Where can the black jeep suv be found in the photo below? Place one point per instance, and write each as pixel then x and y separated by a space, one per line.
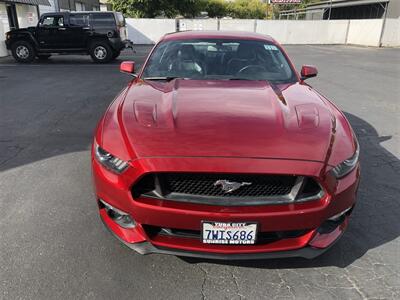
pixel 100 34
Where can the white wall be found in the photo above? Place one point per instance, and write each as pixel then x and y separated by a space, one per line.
pixel 27 15
pixel 233 25
pixel 365 32
pixel 198 24
pixel 305 32
pixel 148 31
pixel 3 49
pixel 357 32
pixel 4 27
pixel 391 34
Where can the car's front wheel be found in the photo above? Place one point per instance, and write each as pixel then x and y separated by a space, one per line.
pixel 100 52
pixel 23 51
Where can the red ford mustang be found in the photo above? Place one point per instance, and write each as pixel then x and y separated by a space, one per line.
pixel 219 149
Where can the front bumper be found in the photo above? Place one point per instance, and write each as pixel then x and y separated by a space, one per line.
pixel 8 44
pixel 307 252
pixel 116 190
pixel 119 44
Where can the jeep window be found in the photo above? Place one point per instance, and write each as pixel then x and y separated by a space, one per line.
pixel 52 21
pixel 219 60
pixel 102 20
pixel 79 20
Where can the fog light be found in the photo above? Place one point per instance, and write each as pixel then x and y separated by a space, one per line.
pixel 121 218
pixel 329 232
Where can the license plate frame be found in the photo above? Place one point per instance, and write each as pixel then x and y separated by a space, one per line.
pixel 229 226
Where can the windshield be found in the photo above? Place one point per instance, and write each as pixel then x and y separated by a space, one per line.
pixel 219 60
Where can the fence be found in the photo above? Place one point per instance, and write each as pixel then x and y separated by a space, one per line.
pixel 368 32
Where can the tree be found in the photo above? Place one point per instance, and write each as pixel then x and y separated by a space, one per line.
pixel 155 8
pixel 244 9
pixel 216 8
pixel 247 9
pixel 137 8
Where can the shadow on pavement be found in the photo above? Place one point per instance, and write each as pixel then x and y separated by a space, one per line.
pixel 374 221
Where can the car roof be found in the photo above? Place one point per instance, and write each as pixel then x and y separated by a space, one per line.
pixel 214 34
pixel 93 12
pixel 77 12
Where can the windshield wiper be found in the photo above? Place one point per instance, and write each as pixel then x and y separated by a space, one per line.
pixel 166 78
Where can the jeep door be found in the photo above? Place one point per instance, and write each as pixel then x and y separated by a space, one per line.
pixel 79 30
pixel 52 32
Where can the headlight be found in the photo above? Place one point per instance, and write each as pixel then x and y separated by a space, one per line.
pixel 348 165
pixel 110 161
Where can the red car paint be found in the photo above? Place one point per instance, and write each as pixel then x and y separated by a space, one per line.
pixel 210 126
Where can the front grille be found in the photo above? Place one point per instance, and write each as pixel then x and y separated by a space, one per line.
pixel 262 237
pixel 204 185
pixel 225 189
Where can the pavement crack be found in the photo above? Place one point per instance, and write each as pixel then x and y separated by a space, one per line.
pixel 235 281
pixel 203 284
pixel 354 285
pixel 285 284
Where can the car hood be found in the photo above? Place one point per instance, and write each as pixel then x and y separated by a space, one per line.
pixel 22 30
pixel 252 119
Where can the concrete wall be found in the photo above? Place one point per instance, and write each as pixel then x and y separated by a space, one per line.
pixel 3 50
pixel 240 25
pixel 198 24
pixel 3 29
pixel 365 32
pixel 305 32
pixel 4 18
pixel 149 31
pixel 27 15
pixel 357 32
pixel 391 33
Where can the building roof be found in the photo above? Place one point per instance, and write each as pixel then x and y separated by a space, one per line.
pixel 200 34
pixel 32 2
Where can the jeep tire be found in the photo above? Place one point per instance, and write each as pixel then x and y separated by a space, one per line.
pixel 100 52
pixel 23 51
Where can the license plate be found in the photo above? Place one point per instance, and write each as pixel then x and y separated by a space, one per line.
pixel 229 233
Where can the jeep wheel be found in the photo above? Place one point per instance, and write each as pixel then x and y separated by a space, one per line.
pixel 23 51
pixel 101 52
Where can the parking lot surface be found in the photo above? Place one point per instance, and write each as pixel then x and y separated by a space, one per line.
pixel 52 242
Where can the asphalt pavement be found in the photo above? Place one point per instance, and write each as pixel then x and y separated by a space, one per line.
pixel 54 246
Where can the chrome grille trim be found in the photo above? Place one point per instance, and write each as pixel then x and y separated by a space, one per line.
pixel 295 195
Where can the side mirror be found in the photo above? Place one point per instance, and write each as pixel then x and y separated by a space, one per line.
pixel 127 67
pixel 308 72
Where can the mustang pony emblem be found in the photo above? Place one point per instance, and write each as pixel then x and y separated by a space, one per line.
pixel 230 186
